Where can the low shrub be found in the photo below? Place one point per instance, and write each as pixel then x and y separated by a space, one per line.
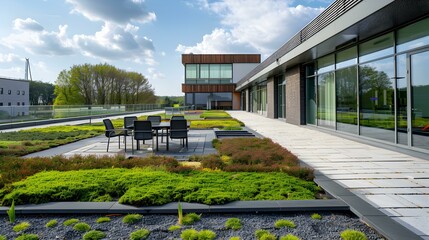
pixel 103 220
pixel 51 223
pixel 284 223
pixel 70 222
pixel 212 161
pixel 28 237
pixel 234 238
pixel 132 218
pixel 190 218
pixel 2 237
pixel 189 234
pixel 174 228
pixel 350 234
pixel 316 216
pixel 94 235
pixel 290 237
pixel 233 223
pixel 21 226
pixel 82 227
pixel 139 234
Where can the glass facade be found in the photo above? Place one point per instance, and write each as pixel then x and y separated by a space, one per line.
pixel 280 84
pixel 258 99
pixel 208 73
pixel 378 88
pixel 218 100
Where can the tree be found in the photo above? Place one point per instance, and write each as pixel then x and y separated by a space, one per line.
pixel 102 84
pixel 41 93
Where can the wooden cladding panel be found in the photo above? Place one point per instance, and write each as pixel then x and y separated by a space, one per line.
pixel 203 88
pixel 221 58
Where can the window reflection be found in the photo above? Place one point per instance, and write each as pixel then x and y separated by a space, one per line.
pixel 326 100
pixel 346 89
pixel 376 96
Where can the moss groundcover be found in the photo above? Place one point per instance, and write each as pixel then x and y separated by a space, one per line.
pixel 147 186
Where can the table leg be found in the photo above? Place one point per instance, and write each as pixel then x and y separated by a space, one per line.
pixel 156 139
pixel 167 138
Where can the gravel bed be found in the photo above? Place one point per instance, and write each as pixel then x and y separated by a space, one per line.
pixel 329 227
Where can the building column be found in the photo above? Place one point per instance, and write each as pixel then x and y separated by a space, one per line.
pixel 270 97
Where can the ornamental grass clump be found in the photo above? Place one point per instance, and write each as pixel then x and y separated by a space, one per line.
pixel 28 237
pixel 290 237
pixel 71 222
pixel 132 218
pixel 233 223
pixel 82 227
pixel 264 235
pixel 94 235
pixel 173 228
pixel 21 226
pixel 350 234
pixel 316 216
pixel 234 238
pixel 140 234
pixel 190 218
pixel 189 234
pixel 103 220
pixel 284 223
pixel 51 223
pixel 206 235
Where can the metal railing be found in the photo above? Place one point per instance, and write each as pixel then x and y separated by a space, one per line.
pixel 15 114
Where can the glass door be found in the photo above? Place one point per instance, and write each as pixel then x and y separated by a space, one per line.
pixel 418 66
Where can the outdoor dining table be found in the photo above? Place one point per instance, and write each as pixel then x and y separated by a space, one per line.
pixel 159 126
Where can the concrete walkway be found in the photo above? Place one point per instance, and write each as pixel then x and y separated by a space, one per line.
pixel 391 181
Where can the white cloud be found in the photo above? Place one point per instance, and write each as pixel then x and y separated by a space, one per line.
pixel 27 24
pixel 9 58
pixel 120 12
pixel 114 42
pixel 154 75
pixel 258 25
pixel 38 41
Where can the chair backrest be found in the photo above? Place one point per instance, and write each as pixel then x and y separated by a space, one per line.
pixel 155 119
pixel 177 117
pixel 109 127
pixel 129 121
pixel 143 130
pixel 178 128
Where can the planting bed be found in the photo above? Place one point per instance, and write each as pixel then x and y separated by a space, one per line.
pixel 329 227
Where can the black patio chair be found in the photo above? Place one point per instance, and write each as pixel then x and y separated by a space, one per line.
pixel 111 131
pixel 129 122
pixel 179 130
pixel 156 119
pixel 177 117
pixel 142 131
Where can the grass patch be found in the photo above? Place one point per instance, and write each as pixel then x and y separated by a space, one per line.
pixel 284 223
pixel 82 227
pixel 173 228
pixel 290 237
pixel 148 186
pixel 28 237
pixel 233 223
pixel 350 234
pixel 103 220
pixel 21 226
pixel 190 218
pixel 51 223
pixel 70 222
pixel 215 114
pixel 316 216
pixel 132 218
pixel 215 123
pixel 94 235
pixel 140 234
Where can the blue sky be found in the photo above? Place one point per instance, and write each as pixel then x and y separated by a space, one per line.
pixel 146 36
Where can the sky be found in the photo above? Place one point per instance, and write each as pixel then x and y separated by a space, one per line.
pixel 145 36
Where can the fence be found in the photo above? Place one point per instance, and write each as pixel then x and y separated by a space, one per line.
pixel 14 114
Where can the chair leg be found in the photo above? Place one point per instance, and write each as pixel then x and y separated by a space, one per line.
pixel 119 142
pixel 132 145
pixel 186 142
pixel 108 142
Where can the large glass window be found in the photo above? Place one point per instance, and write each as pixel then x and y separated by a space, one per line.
pixel 226 71
pixel 281 96
pixel 420 99
pixel 376 96
pixel 326 64
pixel 346 58
pixel 326 100
pixel 311 100
pixel 191 71
pixel 346 104
pixel 214 71
pixel 204 71
pixel 376 48
pixel 413 36
pixel 401 98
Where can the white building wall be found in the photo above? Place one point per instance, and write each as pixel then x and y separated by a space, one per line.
pixel 14 96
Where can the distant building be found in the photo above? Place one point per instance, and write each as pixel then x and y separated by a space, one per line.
pixel 210 79
pixel 14 97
